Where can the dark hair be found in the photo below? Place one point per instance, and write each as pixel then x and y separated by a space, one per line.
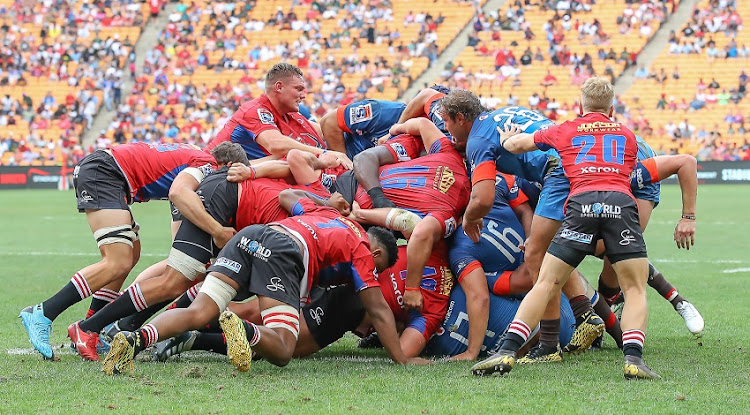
pixel 387 240
pixel 228 152
pixel 280 71
pixel 441 88
pixel 461 101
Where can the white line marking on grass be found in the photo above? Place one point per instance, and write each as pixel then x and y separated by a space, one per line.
pixel 95 254
pixel 32 351
pixel 354 359
pixel 735 270
pixel 700 261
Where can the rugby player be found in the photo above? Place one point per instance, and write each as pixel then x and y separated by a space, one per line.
pixel 279 263
pixel 271 124
pixel 106 183
pixel 598 156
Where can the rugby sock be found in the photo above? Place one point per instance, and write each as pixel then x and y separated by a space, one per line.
pixel 131 301
pixel 549 335
pixel 610 294
pixel 212 327
pixel 252 333
pixel 185 299
pixel 517 334
pixel 212 342
pixel 657 281
pixel 101 298
pixel 74 291
pixel 632 343
pixel 611 323
pixel 149 335
pixel 580 305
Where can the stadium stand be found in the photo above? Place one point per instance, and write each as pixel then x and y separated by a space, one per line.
pixel 693 97
pixel 59 62
pixel 212 56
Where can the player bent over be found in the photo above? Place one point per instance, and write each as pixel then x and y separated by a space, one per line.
pixel 278 262
pixel 107 182
pixel 598 156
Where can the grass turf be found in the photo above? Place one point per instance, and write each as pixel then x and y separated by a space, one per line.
pixel 45 241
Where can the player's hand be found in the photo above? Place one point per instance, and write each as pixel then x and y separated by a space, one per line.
pixel 383 139
pixel 465 356
pixel 509 131
pixel 338 202
pixel 339 159
pixel 395 130
pixel 473 228
pixel 239 172
pixel 418 361
pixel 413 299
pixel 524 245
pixel 684 233
pixel 222 237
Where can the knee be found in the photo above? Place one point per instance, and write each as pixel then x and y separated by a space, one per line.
pixel 120 266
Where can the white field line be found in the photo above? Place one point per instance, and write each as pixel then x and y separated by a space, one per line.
pixel 735 270
pixel 94 254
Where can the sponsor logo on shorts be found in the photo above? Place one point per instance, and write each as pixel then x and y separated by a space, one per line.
pixel 265 116
pixel 228 264
pixel 627 238
pixel 317 314
pixel 585 238
pixel 400 152
pixel 86 197
pixel 255 248
pixel 450 226
pixel 601 210
pixel 360 113
pixel 275 285
pixel 594 169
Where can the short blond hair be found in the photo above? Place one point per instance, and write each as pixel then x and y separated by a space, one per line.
pixel 597 95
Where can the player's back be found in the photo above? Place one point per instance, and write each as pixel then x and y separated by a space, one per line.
pixel 484 145
pixel 452 338
pixel 259 201
pixel 151 168
pixel 439 177
pixel 597 153
pixel 502 234
pixel 364 122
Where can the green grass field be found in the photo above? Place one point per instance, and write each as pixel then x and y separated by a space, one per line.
pixel 44 241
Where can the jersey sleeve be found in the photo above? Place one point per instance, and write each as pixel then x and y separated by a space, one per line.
pixel 481 153
pixel 363 269
pixel 404 147
pixel 341 119
pixel 258 120
pixel 306 206
pixel 448 222
pixel 515 196
pixel 546 139
pixel 428 105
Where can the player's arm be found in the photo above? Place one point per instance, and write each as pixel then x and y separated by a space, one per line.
pixel 279 145
pixel 318 129
pixel 367 171
pixel 525 214
pixel 516 142
pixel 396 219
pixel 419 127
pixel 415 107
pixel 383 322
pixel 418 251
pixel 306 167
pixel 480 204
pixel 182 194
pixel 686 168
pixel 332 132
pixel 291 201
pixel 271 169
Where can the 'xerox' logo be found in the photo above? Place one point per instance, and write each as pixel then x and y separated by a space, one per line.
pixel 576 236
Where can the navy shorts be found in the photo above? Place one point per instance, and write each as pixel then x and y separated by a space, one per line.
pixel 100 184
